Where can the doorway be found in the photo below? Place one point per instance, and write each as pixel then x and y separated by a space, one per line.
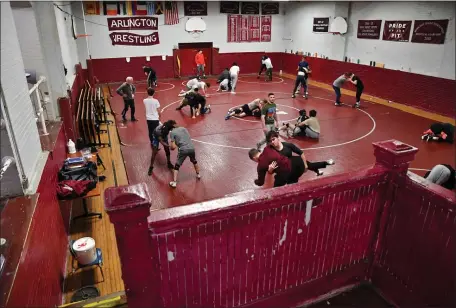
pixel 187 52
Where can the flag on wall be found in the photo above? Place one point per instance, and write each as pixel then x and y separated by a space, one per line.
pixel 171 13
pixel 150 8
pixel 92 8
pixel 158 8
pixel 129 7
pixel 111 8
pixel 178 64
pixel 140 8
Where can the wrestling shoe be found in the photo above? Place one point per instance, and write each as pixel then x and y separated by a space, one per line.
pixel 293 96
pixel 337 104
pixel 319 172
pixel 305 96
pixel 150 171
pixel 424 137
pixel 356 105
pixel 173 184
pixel 227 117
pixel 198 176
pixel 330 161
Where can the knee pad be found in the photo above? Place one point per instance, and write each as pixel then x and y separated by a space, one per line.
pixel 176 167
pixel 194 161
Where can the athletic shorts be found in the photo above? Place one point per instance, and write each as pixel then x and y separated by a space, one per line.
pixel 246 110
pixel 183 154
pixel 151 126
pixel 156 142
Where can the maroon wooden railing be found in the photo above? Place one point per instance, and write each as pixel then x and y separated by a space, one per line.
pixel 276 247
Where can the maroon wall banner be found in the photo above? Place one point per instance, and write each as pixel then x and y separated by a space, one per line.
pixel 250 8
pixel 195 8
pixel 229 7
pixel 397 30
pixel 369 29
pixel 430 31
pixel 254 28
pixel 266 28
pixel 132 23
pixel 269 8
pixel 321 24
pixel 244 29
pixel 133 39
pixel 233 28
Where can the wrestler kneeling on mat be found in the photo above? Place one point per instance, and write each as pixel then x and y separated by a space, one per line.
pixel 287 149
pixel 308 127
pixel 251 109
pixel 195 83
pixel 440 132
pixel 197 103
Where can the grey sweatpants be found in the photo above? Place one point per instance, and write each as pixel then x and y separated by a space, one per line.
pixel 269 127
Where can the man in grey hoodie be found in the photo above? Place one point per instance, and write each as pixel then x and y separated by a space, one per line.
pixel 127 90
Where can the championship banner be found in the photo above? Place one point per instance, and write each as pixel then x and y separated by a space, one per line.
pixel 397 30
pixel 269 8
pixel 244 28
pixel 266 28
pixel 254 28
pixel 229 7
pixel 369 29
pixel 320 24
pixel 430 31
pixel 133 39
pixel 233 28
pixel 250 8
pixel 132 23
pixel 195 8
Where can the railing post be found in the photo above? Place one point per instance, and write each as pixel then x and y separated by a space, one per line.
pixel 396 157
pixel 128 208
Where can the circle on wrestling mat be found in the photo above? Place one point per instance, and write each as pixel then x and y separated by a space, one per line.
pixel 253 79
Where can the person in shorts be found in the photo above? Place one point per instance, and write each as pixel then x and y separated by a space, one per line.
pixel 181 140
pixel 251 109
pixel 160 136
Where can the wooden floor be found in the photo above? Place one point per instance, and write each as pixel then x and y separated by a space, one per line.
pixel 100 229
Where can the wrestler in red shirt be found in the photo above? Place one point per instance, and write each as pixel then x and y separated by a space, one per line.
pixel 264 159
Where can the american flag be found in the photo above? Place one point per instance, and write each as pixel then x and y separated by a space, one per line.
pixel 171 13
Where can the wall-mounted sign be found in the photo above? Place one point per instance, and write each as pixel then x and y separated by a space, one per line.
pixel 369 29
pixel 229 7
pixel 397 30
pixel 321 24
pixel 269 8
pixel 250 8
pixel 133 39
pixel 195 8
pixel 132 23
pixel 430 31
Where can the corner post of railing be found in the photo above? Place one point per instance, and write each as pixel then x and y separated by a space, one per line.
pixel 395 156
pixel 128 208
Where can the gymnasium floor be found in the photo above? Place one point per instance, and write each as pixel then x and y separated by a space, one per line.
pixel 222 146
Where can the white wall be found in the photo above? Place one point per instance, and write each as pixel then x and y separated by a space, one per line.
pixel 27 33
pixel 15 91
pixel 100 43
pixel 428 59
pixel 299 23
pixel 67 42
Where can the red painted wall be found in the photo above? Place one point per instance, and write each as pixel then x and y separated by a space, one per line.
pixel 117 69
pixel 434 94
pixel 40 274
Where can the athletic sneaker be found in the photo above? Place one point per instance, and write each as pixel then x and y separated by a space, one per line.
pixel 198 176
pixel 330 161
pixel 227 117
pixel 338 104
pixel 356 105
pixel 293 96
pixel 173 184
pixel 319 172
pixel 424 137
pixel 150 171
pixel 305 96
